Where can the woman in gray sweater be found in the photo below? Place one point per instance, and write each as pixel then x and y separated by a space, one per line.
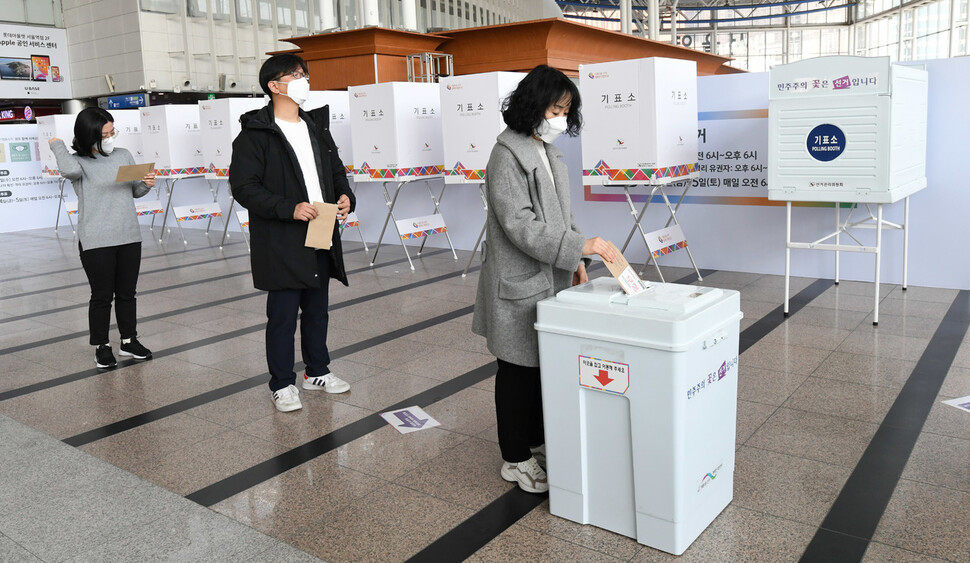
pixel 534 250
pixel 109 239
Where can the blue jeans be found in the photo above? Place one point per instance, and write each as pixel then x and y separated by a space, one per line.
pixel 282 308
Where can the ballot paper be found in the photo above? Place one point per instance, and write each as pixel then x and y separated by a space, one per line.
pixel 624 273
pixel 319 233
pixel 134 172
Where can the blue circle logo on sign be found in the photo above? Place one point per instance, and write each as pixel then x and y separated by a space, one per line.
pixel 826 142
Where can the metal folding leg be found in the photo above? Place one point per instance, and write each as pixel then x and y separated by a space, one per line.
pixel 353 188
pixel 391 202
pixel 437 212
pixel 478 241
pixel 60 204
pixel 225 227
pixel 215 199
pixel 638 218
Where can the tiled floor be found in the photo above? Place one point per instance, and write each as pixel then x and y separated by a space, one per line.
pixel 184 457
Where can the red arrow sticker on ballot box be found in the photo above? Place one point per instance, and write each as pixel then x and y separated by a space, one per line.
pixel 604 375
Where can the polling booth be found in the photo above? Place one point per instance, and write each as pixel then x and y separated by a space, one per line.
pixel 640 129
pixel 847 130
pixel 219 124
pixel 128 126
pixel 172 139
pixel 397 142
pixel 60 127
pixel 339 103
pixel 639 396
pixel 471 119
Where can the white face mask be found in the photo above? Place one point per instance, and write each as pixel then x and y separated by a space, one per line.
pixel 107 145
pixel 550 129
pixel 298 90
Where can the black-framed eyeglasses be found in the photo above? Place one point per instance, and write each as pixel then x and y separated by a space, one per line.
pixel 298 74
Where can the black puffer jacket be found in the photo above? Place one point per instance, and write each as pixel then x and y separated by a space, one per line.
pixel 266 179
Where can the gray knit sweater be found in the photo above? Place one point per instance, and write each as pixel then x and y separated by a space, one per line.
pixel 106 209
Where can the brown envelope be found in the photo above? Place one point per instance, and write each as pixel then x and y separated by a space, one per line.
pixel 623 273
pixel 134 172
pixel 319 233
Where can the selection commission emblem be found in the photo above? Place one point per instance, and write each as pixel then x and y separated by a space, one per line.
pixel 825 142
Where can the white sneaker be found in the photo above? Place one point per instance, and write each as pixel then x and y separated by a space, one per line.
pixel 330 383
pixel 287 399
pixel 539 452
pixel 530 477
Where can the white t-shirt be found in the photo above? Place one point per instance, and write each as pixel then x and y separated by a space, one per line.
pixel 298 136
pixel 541 147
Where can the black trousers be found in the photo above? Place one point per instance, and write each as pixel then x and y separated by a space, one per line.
pixel 518 410
pixel 282 308
pixel 112 274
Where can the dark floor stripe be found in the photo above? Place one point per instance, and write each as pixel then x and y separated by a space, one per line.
pixel 173 312
pixel 481 528
pixel 70 378
pixel 78 268
pixel 485 525
pixel 776 317
pixel 143 273
pixel 249 383
pixel 270 468
pixel 856 512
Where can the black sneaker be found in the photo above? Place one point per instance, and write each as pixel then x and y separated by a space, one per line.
pixel 134 349
pixel 104 357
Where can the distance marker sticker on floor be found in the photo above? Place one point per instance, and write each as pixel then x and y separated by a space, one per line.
pixel 410 419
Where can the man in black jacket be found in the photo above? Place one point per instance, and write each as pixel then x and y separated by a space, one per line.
pixel 283 160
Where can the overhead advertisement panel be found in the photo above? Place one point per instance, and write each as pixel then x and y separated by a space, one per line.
pixel 34 63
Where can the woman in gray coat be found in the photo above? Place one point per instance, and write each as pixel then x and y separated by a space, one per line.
pixel 534 250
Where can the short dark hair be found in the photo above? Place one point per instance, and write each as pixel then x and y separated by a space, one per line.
pixel 87 131
pixel 277 66
pixel 525 108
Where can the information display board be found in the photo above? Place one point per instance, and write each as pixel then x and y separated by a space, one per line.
pixel 471 118
pixel 397 131
pixel 640 120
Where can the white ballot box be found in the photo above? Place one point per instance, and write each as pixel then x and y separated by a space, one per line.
pixel 219 121
pixel 397 131
pixel 128 125
pixel 339 102
pixel 640 120
pixel 846 129
pixel 642 441
pixel 48 127
pixel 172 139
pixel 471 119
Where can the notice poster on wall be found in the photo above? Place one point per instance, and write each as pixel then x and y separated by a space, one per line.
pixel 33 62
pixel 28 200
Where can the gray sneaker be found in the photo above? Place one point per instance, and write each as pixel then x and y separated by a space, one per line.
pixel 530 477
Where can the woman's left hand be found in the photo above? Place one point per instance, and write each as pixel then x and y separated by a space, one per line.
pixel 149 179
pixel 579 276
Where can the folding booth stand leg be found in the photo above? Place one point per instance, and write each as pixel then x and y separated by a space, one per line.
pixel 906 243
pixel 170 188
pixel 390 216
pixel 225 228
pixel 673 218
pixel 437 211
pixel 60 203
pixel 353 189
pixel 875 309
pixel 838 233
pixel 787 254
pixel 151 226
pixel 215 199
pixel 637 217
pixel 478 241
